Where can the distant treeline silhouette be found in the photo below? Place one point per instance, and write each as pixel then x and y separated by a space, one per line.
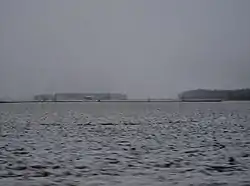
pixel 238 94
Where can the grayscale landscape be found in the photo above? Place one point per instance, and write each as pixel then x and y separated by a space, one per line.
pixel 124 92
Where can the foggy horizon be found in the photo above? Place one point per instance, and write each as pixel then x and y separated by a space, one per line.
pixel 141 48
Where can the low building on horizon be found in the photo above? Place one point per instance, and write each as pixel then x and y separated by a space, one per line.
pixel 44 97
pixel 80 96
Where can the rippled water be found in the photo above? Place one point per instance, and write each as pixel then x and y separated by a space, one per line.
pixel 125 144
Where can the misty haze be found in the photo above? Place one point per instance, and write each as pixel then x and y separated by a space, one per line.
pixel 142 48
pixel 124 92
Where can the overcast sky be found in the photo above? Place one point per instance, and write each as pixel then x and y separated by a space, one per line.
pixel 144 48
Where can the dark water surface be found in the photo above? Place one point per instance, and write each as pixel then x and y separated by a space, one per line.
pixel 125 144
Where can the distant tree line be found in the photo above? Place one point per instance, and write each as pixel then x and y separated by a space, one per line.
pixel 238 94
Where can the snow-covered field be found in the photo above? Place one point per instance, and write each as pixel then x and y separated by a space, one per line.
pixel 125 144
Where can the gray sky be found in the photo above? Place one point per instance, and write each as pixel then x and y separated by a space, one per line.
pixel 143 48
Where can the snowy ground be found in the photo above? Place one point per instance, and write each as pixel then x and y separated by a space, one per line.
pixel 125 144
